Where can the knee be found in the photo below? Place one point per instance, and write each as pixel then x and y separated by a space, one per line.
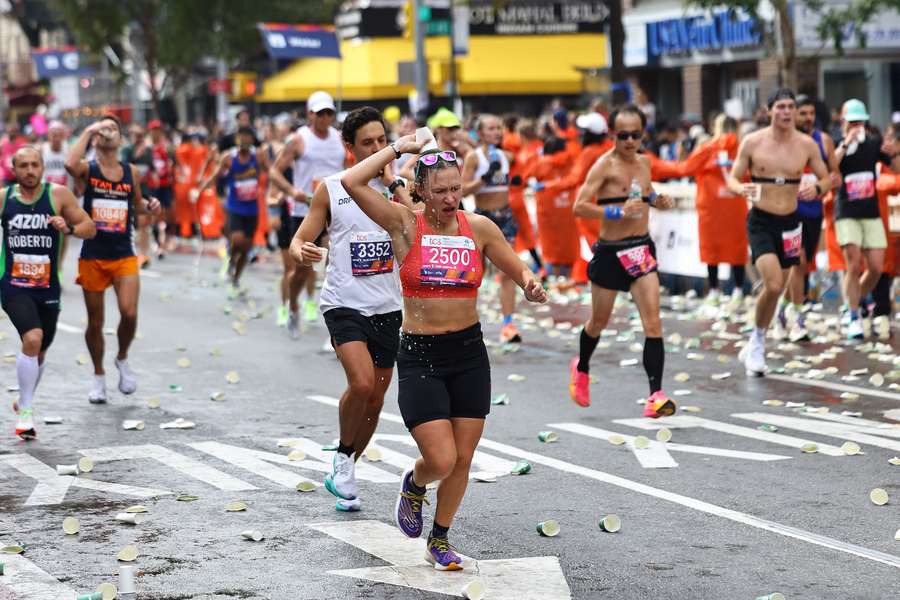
pixel 374 404
pixel 653 327
pixel 129 314
pixel 362 386
pixel 443 466
pixel 31 342
pixel 463 461
pixel 595 325
pixel 774 284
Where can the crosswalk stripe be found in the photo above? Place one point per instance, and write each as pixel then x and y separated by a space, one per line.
pixel 655 456
pixel 837 430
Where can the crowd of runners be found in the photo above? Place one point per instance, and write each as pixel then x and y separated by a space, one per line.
pixel 376 206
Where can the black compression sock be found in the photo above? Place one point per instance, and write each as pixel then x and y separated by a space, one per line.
pixel 536 258
pixel 439 531
pixel 345 450
pixel 414 488
pixel 654 360
pixel 738 273
pixel 712 275
pixel 586 346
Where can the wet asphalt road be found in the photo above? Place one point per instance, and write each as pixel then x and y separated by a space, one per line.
pixel 717 524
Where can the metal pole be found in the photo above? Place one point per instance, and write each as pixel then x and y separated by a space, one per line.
pixel 221 98
pixel 454 85
pixel 421 72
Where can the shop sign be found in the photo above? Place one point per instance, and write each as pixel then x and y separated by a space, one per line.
pixel 723 30
pixel 51 63
pixel 536 18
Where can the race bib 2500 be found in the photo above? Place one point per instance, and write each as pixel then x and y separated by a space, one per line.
pixel 448 260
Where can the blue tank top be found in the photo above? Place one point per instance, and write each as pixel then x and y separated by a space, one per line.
pixel 242 181
pixel 812 209
pixel 111 205
pixel 30 255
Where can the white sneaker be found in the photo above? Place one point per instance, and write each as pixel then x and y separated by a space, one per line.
pixel 353 505
pixel 882 327
pixel 712 297
pixel 342 480
pixel 855 330
pixel 737 295
pixel 127 379
pixel 798 333
pixel 753 355
pixel 25 424
pixel 293 325
pixel 97 394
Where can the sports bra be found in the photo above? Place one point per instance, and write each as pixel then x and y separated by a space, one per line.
pixel 775 180
pixel 618 199
pixel 442 266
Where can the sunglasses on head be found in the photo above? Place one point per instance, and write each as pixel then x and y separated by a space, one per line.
pixel 624 135
pixel 429 160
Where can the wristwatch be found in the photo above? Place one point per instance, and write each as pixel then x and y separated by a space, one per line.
pixel 818 189
pixel 70 230
pixel 394 148
pixel 395 184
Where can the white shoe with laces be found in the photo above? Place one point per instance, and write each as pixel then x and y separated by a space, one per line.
pixel 97 394
pixel 127 379
pixel 753 355
pixel 855 330
pixel 342 480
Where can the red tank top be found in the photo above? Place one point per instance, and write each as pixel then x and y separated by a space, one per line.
pixel 442 266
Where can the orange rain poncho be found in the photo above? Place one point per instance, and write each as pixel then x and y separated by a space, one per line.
pixel 525 159
pixel 888 184
pixel 557 233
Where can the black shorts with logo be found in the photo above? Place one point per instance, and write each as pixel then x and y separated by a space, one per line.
pixel 781 235
pixel 27 313
pixel 380 333
pixel 618 264
pixel 504 219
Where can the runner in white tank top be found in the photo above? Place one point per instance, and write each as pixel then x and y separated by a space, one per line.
pixel 313 152
pixel 54 151
pixel 360 297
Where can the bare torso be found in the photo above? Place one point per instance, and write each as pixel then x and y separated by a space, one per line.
pixel 618 174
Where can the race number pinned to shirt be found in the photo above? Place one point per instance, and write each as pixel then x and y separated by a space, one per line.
pixel 247 190
pixel 371 253
pixel 637 261
pixel 448 260
pixel 792 241
pixel 860 186
pixel 110 215
pixel 30 271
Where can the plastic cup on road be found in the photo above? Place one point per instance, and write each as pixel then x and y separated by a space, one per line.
pixel 130 518
pixel 548 436
pixel 850 448
pixel 319 267
pixel 93 596
pixel 126 579
pixel 522 467
pixel 85 464
pixel 474 590
pixel 253 535
pixel 306 486
pixel 641 442
pixel 71 525
pixel 809 448
pixel 296 455
pixel 611 523
pixel 67 469
pixel 127 554
pixel 774 596
pixel 664 434
pixel 548 528
pixel 616 439
pixel 878 496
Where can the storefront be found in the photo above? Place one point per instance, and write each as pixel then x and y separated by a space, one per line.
pixel 871 74
pixel 525 50
pixel 691 62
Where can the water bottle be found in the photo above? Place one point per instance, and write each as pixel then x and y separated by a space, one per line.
pixel 634 193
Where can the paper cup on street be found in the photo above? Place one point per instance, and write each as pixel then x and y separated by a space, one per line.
pixel 85 464
pixel 878 496
pixel 217 396
pixel 809 448
pixel 484 477
pixel 850 448
pixel 236 507
pixel 107 591
pixel 682 377
pixel 547 436
pixel 616 439
pixel 130 518
pixel 306 486
pixel 126 579
pixel 610 523
pixel 474 590
pixel 548 528
pixel 295 455
pixel 53 420
pixel 67 469
pixel 774 596
pixel 895 460
pixel 71 525
pixel 127 554
pixel 319 266
pixel 94 596
pixel 372 454
pixel 137 508
pixel 133 425
pixel 641 442
pixel 664 434
pixel 773 402
pixel 232 377
pixel 184 363
pixel 153 402
pixel 253 535
pixel 522 467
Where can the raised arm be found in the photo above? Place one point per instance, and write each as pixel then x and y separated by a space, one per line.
pixel 584 206
pixel 72 219
pixel 75 163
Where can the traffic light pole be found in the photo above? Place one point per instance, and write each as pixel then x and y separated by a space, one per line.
pixel 421 70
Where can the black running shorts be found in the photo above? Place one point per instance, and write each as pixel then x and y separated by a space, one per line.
pixel 26 314
pixel 812 231
pixel 504 219
pixel 618 264
pixel 243 223
pixel 380 333
pixel 781 235
pixel 443 376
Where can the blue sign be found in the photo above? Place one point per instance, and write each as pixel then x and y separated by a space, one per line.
pixel 290 42
pixel 720 31
pixel 59 63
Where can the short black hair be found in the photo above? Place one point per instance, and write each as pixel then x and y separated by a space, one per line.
pixel 781 94
pixel 804 100
pixel 627 109
pixel 244 130
pixel 114 118
pixel 355 121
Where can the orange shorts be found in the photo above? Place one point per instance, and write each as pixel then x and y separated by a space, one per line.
pixel 96 274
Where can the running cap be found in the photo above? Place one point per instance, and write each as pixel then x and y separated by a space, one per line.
pixel 444 118
pixel 56 124
pixel 780 94
pixel 154 124
pixel 320 101
pixel 854 110
pixel 593 122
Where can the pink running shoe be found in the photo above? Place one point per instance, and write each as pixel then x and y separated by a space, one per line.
pixel 658 405
pixel 579 385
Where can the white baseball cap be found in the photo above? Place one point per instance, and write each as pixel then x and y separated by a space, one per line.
pixel 593 122
pixel 320 101
pixel 895 117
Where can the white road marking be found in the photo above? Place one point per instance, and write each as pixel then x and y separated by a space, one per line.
pixel 69 328
pixel 840 387
pixel 52 488
pixel 29 582
pixel 655 456
pixel 534 578
pixel 259 463
pixel 682 421
pixel 670 446
pixel 686 501
pixel 179 462
pixel 858 424
pixel 838 430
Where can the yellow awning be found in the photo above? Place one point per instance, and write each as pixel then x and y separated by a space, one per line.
pixel 495 65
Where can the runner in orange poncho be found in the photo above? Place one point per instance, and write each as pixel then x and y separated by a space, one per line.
pixel 887 184
pixel 524 158
pixel 554 197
